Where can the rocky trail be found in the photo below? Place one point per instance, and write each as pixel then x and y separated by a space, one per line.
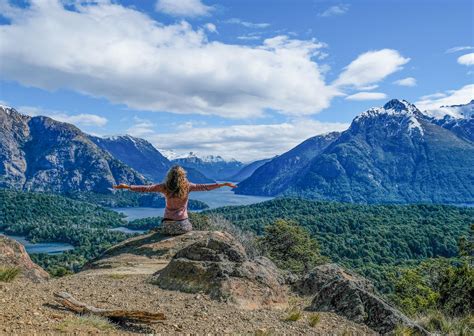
pixel 204 284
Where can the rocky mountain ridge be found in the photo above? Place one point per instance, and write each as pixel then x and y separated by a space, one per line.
pixel 41 154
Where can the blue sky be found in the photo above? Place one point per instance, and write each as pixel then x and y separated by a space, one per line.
pixel 243 79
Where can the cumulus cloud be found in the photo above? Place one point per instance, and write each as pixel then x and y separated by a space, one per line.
pixel 247 24
pixel 409 81
pixel 367 96
pixel 436 103
pixel 243 142
pixel 82 119
pixel 371 67
pixel 183 8
pixel 339 9
pixel 467 59
pixel 150 66
pixel 461 48
pixel 211 27
pixel 141 127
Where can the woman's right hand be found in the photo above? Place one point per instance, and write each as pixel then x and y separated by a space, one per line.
pixel 121 186
pixel 229 184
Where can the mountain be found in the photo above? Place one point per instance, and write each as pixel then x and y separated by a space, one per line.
pixel 391 154
pixel 214 167
pixel 247 170
pixel 275 176
pixel 41 154
pixel 143 157
pixel 458 119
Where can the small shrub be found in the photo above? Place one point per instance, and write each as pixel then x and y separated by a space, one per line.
pixel 85 323
pixel 117 276
pixel 314 319
pixel 293 315
pixel 8 274
pixel 247 238
pixel 404 331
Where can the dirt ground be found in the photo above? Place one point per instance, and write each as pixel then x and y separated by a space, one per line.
pixel 29 309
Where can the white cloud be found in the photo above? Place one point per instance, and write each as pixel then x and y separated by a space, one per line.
pixel 82 119
pixel 149 66
pixel 367 96
pixel 435 102
pixel 409 81
pixel 456 49
pixel 243 142
pixel 211 27
pixel 183 8
pixel 467 59
pixel 247 24
pixel 339 9
pixel 371 67
pixel 368 87
pixel 141 127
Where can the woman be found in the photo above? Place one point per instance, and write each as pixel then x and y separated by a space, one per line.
pixel 176 189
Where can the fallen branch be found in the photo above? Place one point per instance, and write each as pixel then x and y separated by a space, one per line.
pixel 71 303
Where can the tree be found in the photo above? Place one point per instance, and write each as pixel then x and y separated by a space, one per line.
pixel 290 246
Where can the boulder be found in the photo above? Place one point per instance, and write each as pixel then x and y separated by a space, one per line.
pixel 144 254
pixel 349 295
pixel 314 280
pixel 219 266
pixel 13 254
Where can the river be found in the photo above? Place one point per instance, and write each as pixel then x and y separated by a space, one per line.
pixel 49 248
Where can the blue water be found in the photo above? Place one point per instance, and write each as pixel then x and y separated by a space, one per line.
pixel 127 230
pixel 49 248
pixel 215 199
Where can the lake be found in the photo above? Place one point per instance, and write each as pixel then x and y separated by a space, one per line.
pixel 215 199
pixel 49 248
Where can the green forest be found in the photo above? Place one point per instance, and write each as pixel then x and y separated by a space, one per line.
pixel 47 217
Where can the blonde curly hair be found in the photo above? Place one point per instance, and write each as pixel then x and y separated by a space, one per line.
pixel 176 183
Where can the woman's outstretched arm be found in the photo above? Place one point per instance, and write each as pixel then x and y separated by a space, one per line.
pixel 210 186
pixel 141 188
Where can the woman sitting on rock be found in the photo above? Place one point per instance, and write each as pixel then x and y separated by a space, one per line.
pixel 176 189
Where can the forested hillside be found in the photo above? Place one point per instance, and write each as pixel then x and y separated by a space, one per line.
pixel 363 234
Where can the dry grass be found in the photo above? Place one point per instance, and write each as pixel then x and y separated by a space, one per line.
pixel 85 324
pixel 293 315
pixel 8 274
pixel 117 276
pixel 314 319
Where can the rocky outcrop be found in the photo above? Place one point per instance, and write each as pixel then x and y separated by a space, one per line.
pixel 314 280
pixel 13 254
pixel 219 266
pixel 346 294
pixel 145 254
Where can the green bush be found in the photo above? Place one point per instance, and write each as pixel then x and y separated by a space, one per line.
pixel 8 274
pixel 290 246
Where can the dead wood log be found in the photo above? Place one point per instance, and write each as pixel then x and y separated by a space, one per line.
pixel 139 316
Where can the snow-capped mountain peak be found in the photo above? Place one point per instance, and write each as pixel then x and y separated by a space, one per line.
pixel 410 115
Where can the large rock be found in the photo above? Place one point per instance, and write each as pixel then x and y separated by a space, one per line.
pixel 145 254
pixel 219 266
pixel 346 294
pixel 13 254
pixel 314 280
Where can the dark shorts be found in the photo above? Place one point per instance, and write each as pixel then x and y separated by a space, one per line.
pixel 173 227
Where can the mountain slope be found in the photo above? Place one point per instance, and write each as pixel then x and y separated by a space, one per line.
pixel 213 167
pixel 248 170
pixel 41 154
pixel 143 157
pixel 274 176
pixel 392 154
pixel 459 119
